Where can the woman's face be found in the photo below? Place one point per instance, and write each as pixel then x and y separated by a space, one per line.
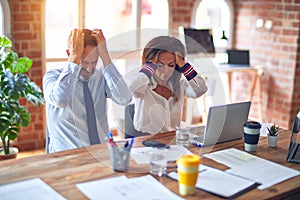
pixel 166 63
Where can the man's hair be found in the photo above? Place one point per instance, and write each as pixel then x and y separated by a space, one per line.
pixel 88 38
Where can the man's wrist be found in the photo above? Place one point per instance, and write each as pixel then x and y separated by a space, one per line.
pixel 74 59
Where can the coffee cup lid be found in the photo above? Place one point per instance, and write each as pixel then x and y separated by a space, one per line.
pixel 189 160
pixel 252 124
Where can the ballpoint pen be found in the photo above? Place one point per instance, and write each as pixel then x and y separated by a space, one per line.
pixel 111 140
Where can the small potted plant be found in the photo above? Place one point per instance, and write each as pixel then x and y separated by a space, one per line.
pixel 14 85
pixel 273 135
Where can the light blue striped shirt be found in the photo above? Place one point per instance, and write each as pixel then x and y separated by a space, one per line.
pixel 65 109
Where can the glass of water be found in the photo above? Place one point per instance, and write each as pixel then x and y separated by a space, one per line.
pixel 183 136
pixel 158 161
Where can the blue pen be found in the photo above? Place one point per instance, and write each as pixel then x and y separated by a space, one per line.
pixel 131 141
pixel 197 144
pixel 111 139
pixel 110 135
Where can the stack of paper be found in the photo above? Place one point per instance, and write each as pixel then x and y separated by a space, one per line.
pixel 33 189
pixel 121 187
pixel 252 167
pixel 141 155
pixel 219 182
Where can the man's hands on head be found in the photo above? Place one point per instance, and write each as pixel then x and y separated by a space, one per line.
pixel 101 46
pixel 75 46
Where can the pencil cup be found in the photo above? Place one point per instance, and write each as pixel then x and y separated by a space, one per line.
pixel 187 169
pixel 119 158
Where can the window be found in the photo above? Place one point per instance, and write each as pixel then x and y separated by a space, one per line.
pixel 121 22
pixel 5 22
pixel 215 15
pixel 126 24
pixel 1 20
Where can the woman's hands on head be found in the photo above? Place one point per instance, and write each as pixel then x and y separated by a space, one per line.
pixel 180 61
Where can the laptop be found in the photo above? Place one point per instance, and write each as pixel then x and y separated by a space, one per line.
pixel 294 147
pixel 238 58
pixel 224 123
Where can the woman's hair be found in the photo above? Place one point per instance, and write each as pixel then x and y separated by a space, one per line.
pixel 165 44
pixel 88 38
pixel 162 43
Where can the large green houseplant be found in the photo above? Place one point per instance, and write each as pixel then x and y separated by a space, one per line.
pixel 14 84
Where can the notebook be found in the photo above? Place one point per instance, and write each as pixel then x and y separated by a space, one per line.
pixel 224 123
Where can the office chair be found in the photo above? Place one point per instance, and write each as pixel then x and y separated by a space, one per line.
pixel 294 147
pixel 130 131
pixel 47 140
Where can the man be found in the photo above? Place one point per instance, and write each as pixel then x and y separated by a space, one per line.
pixel 68 118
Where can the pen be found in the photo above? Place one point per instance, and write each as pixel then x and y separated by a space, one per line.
pixel 197 144
pixel 125 148
pixel 111 139
pixel 131 142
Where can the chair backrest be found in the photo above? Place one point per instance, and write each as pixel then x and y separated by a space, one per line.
pixel 293 154
pixel 47 140
pixel 130 131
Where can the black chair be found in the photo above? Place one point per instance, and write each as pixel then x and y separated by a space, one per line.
pixel 47 140
pixel 130 131
pixel 294 147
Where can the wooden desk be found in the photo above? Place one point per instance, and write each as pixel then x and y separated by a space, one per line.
pixel 63 170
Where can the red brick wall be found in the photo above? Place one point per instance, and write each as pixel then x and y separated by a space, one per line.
pixel 27 41
pixel 276 51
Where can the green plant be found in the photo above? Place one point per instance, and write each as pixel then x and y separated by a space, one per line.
pixel 14 84
pixel 273 130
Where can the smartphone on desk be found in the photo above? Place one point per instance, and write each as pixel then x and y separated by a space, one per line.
pixel 155 144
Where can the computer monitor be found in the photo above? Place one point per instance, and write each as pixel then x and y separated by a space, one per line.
pixel 198 41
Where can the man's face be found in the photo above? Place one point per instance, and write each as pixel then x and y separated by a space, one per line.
pixel 88 62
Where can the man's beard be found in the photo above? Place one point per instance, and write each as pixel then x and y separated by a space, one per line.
pixel 86 77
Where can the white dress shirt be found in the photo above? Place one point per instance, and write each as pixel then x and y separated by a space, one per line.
pixel 154 113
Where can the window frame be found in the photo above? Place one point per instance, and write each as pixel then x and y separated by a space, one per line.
pixel 231 20
pixel 6 18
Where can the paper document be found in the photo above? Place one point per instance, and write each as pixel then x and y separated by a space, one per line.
pixel 219 182
pixel 121 187
pixel 252 167
pixel 33 189
pixel 141 154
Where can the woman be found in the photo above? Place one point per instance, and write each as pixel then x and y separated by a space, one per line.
pixel 159 88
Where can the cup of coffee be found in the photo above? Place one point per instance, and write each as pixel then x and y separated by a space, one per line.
pixel 187 169
pixel 183 136
pixel 251 135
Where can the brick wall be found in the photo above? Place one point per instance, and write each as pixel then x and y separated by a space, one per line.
pixel 27 41
pixel 276 51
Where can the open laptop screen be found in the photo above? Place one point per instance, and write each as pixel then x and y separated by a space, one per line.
pixel 240 57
